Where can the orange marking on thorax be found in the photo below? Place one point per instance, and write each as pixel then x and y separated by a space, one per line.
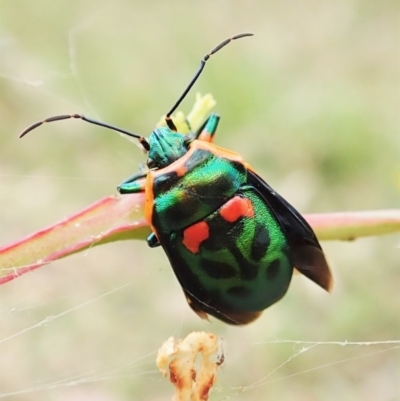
pixel 179 167
pixel 249 167
pixel 236 208
pixel 194 235
pixel 205 136
pixel 148 206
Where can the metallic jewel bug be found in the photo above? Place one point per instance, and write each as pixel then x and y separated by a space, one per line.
pixel 232 241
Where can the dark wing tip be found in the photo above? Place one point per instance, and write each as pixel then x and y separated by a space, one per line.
pixel 310 261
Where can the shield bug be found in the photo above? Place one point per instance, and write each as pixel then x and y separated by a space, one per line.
pixel 232 241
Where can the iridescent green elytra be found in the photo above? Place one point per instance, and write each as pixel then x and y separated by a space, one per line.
pixel 232 241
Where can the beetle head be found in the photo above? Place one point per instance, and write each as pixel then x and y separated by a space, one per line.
pixel 166 146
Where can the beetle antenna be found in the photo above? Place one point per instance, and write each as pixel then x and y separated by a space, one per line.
pixel 203 61
pixel 141 139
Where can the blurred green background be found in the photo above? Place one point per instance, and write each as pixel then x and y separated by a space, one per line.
pixel 312 102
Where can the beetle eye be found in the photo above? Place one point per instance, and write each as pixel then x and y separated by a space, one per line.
pixel 150 163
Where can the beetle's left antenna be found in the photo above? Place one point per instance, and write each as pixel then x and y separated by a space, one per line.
pixel 203 61
pixel 141 139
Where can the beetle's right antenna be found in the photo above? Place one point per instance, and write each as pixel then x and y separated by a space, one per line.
pixel 203 61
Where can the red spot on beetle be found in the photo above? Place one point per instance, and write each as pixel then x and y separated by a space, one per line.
pixel 194 235
pixel 236 208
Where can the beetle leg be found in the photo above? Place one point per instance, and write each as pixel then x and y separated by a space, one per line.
pixel 152 241
pixel 208 129
pixel 133 184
